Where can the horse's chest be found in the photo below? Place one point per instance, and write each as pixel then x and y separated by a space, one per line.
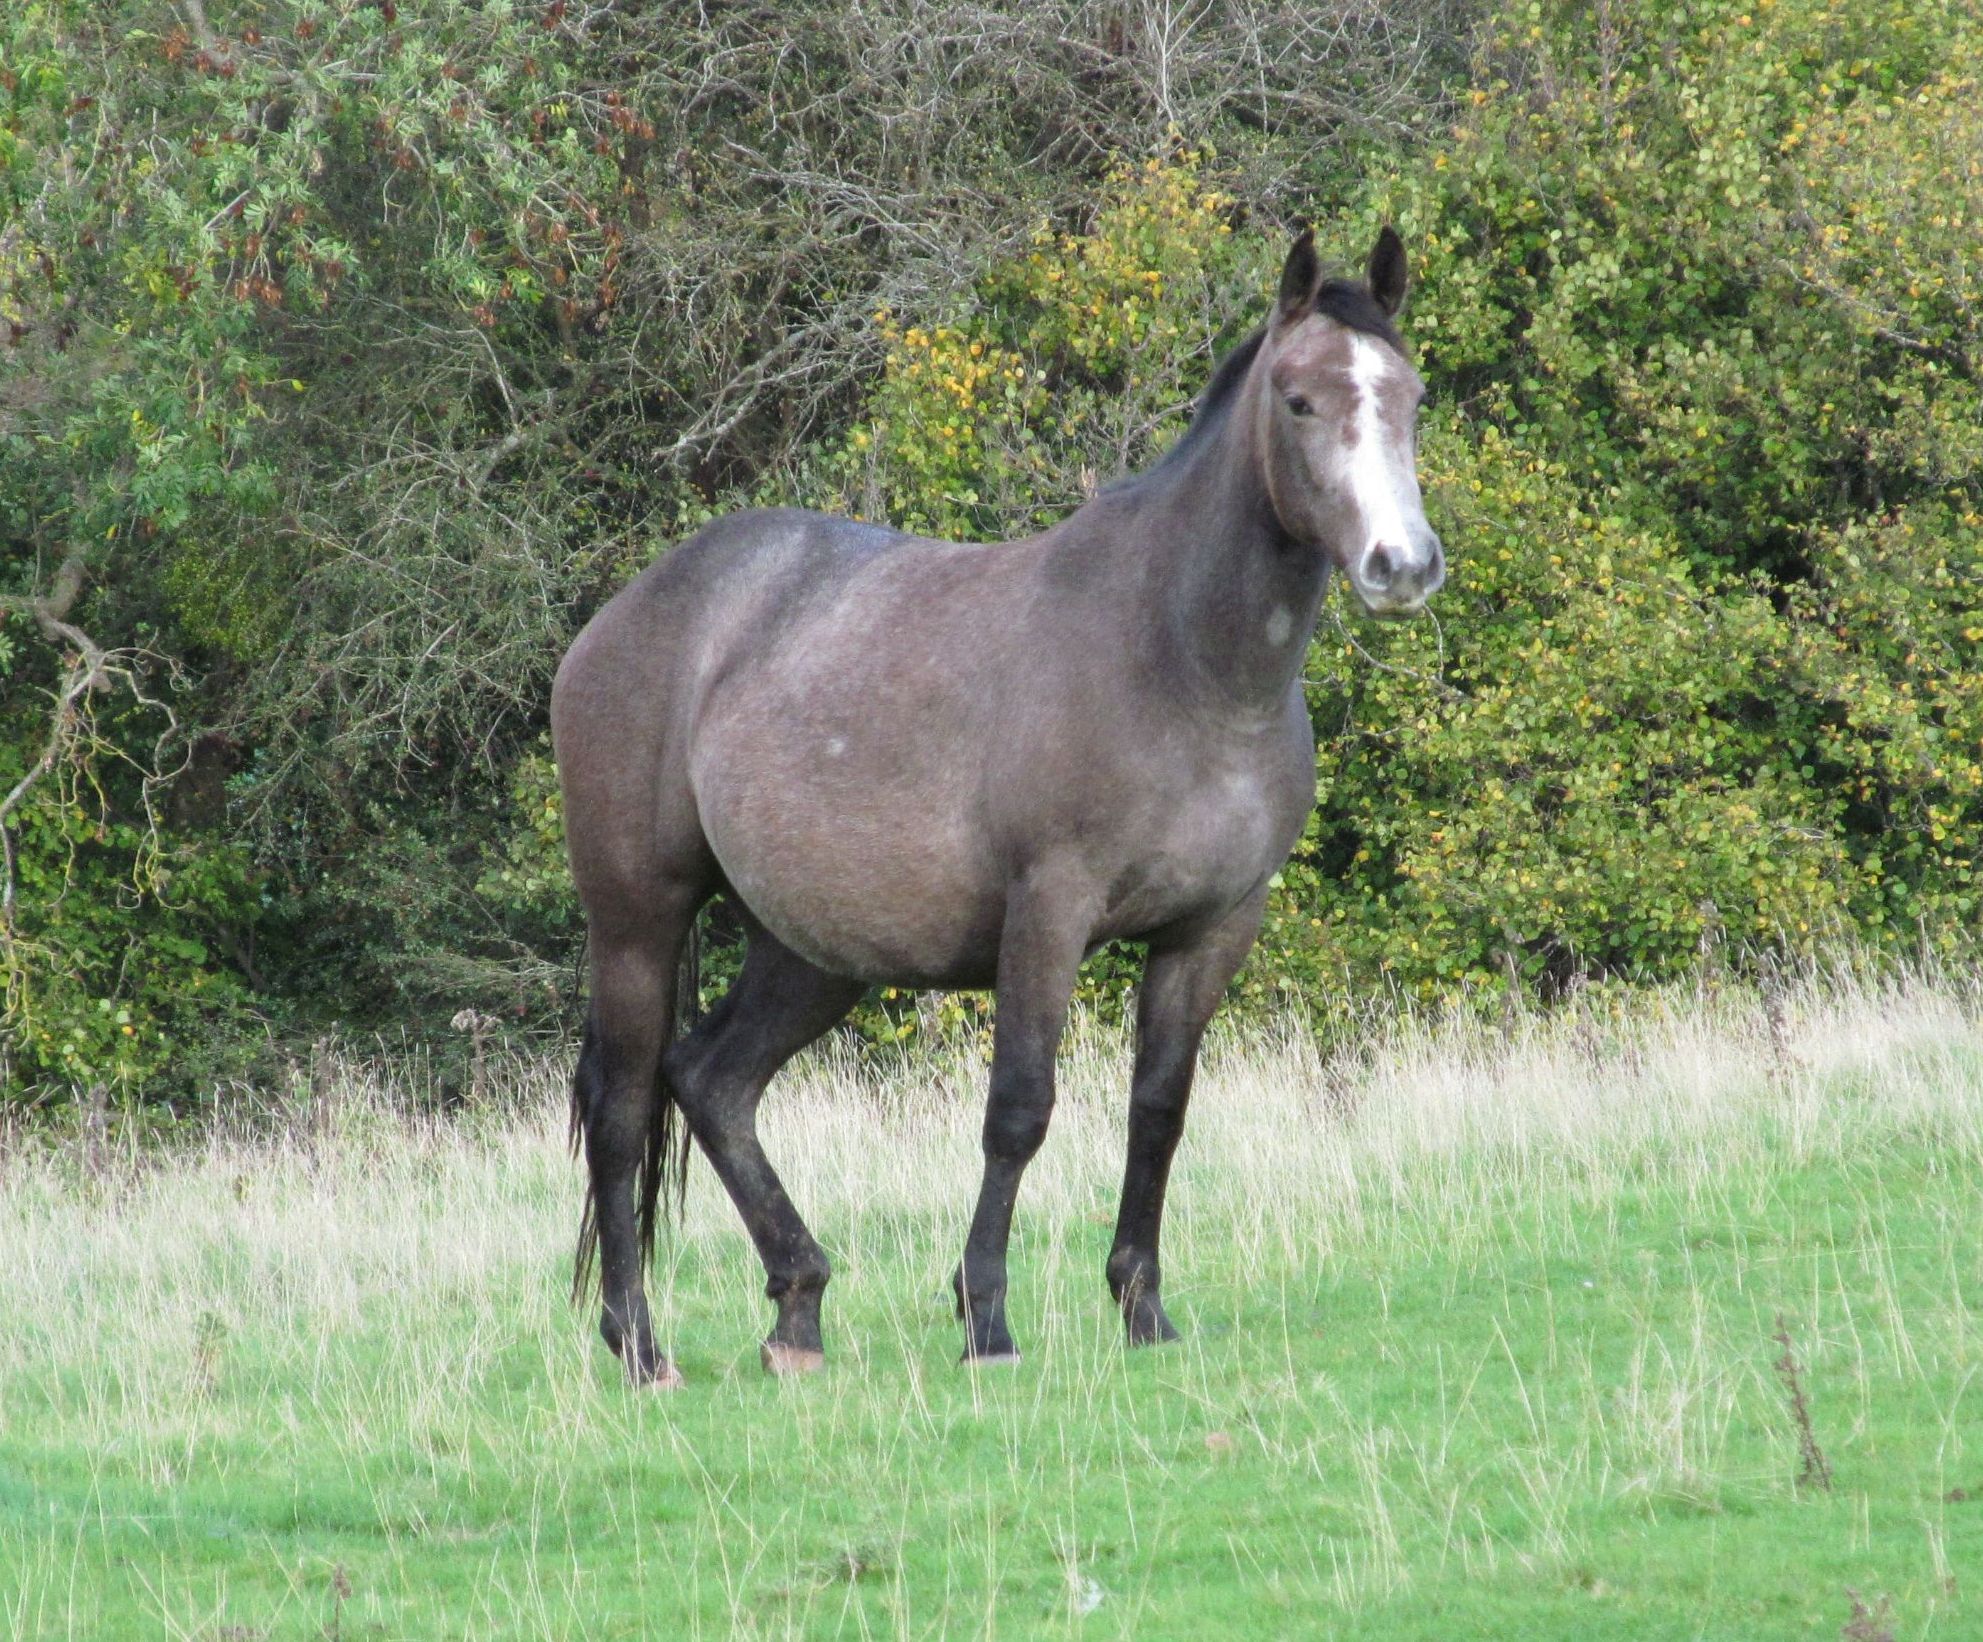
pixel 1211 842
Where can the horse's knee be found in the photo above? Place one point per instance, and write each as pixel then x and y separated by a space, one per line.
pixel 1017 1117
pixel 1157 1117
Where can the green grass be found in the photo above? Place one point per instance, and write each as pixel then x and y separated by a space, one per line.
pixel 1479 1343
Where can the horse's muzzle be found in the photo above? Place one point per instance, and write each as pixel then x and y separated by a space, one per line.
pixel 1394 580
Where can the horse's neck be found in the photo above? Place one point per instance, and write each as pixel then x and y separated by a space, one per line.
pixel 1236 595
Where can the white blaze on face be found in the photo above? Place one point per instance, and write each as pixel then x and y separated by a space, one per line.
pixel 1393 564
pixel 1379 463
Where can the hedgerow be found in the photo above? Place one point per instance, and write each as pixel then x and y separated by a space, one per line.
pixel 369 347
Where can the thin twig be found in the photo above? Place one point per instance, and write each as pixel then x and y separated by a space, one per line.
pixel 1439 684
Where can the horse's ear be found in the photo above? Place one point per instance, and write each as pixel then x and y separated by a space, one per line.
pixel 1387 272
pixel 1301 277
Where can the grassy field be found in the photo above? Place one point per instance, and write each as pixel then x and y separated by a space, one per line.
pixel 1485 1334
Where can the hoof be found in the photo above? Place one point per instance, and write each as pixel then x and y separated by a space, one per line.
pixel 1145 1320
pixel 664 1376
pixel 783 1362
pixel 990 1359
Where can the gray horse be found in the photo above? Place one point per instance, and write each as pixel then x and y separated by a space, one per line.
pixel 938 764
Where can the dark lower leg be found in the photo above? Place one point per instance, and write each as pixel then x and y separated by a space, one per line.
pixel 1156 1121
pixel 624 1322
pixel 631 1018
pixel 1015 1125
pixel 1046 929
pixel 779 1004
pixel 795 1266
pixel 1181 989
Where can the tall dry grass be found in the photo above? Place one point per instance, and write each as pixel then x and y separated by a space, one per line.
pixel 329 1292
pixel 1435 1125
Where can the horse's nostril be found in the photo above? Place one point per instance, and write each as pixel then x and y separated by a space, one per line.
pixel 1377 567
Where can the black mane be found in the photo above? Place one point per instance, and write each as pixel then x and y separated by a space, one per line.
pixel 1216 401
pixel 1346 301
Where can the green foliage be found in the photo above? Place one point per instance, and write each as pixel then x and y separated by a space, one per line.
pixel 352 353
pixel 993 422
pixel 527 873
pixel 1591 775
pixel 114 964
pixel 1710 478
pixel 294 293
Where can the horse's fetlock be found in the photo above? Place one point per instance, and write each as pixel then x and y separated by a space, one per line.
pixel 1132 1271
pixel 978 1290
pixel 809 1277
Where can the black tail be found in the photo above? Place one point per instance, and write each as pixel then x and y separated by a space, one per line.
pixel 664 1148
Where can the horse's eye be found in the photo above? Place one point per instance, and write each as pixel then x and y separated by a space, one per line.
pixel 1299 405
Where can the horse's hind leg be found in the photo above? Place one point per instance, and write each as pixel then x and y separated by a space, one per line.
pixel 778 1005
pixel 1181 989
pixel 622 1111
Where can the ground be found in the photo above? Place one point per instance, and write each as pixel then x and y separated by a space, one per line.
pixel 1489 1333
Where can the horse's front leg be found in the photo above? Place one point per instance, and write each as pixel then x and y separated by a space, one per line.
pixel 1048 917
pixel 1182 987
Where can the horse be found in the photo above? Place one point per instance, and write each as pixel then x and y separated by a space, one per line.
pixel 934 764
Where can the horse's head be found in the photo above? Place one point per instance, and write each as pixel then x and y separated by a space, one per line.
pixel 1337 408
